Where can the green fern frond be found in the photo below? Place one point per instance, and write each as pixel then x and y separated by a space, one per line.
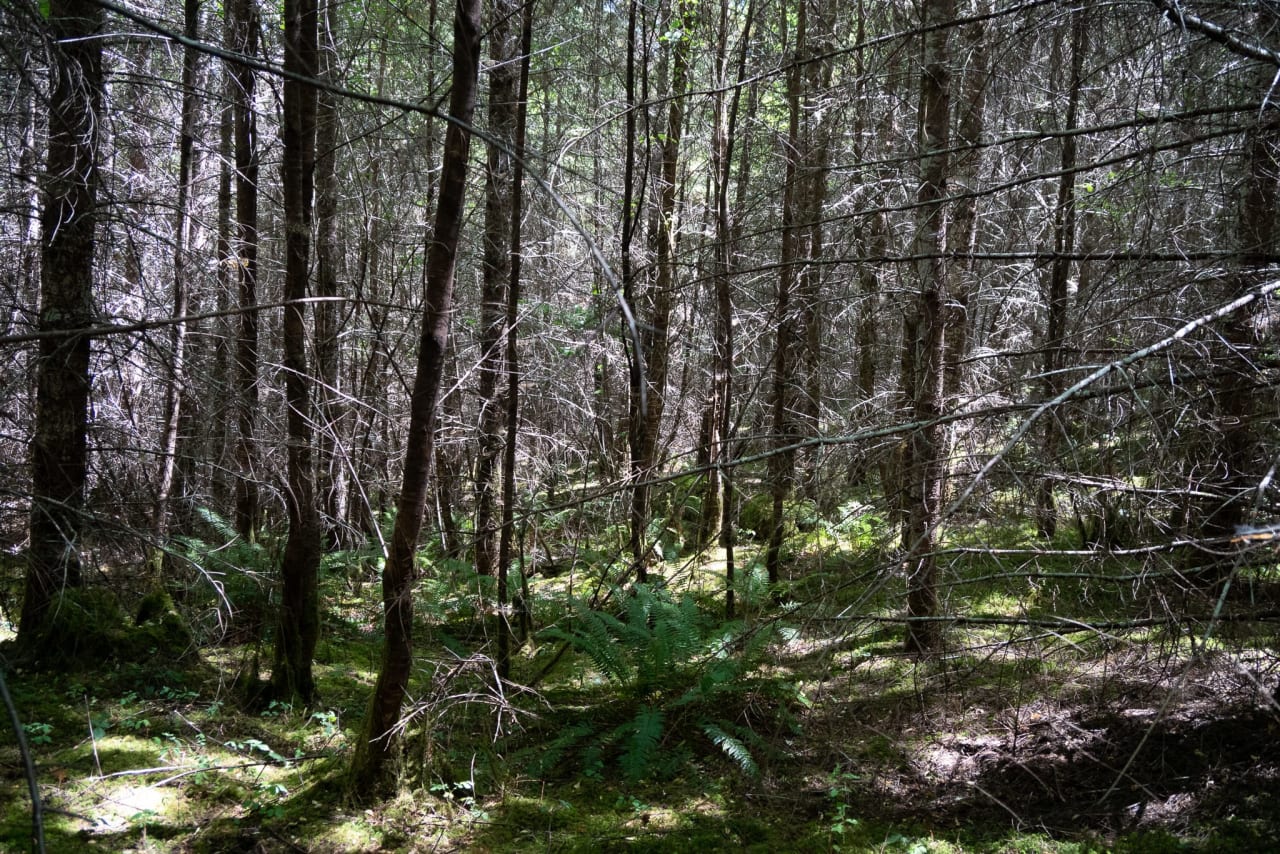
pixel 550 754
pixel 221 526
pixel 642 735
pixel 733 748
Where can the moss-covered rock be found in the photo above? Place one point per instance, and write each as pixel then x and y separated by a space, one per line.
pixel 86 627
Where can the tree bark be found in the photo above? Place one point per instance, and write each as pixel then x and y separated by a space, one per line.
pixel 926 467
pixel 243 25
pixel 639 503
pixel 504 77
pixel 299 627
pixel 718 504
pixel 782 462
pixel 59 449
pixel 1240 457
pixel 377 743
pixel 174 388
pixel 1058 302
pixel 512 359
pixel 330 274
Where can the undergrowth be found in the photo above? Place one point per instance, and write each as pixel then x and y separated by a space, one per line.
pixel 681 678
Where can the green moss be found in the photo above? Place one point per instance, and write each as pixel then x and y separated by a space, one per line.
pixel 86 627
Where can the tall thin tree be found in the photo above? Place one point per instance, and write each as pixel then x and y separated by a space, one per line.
pixel 512 356
pixel 782 462
pixel 243 25
pixel 377 743
pixel 925 468
pixel 181 239
pixel 504 74
pixel 299 624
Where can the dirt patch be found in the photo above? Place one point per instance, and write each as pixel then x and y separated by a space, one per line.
pixel 1170 748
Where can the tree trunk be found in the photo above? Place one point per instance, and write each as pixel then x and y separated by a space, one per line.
pixel 224 357
pixel 817 157
pixel 59 448
pixel 332 462
pixel 718 504
pixel 504 78
pixel 174 393
pixel 1241 457
pixel 291 677
pixel 782 463
pixel 639 504
pixel 926 468
pixel 512 358
pixel 1058 302
pixel 243 24
pixel 377 743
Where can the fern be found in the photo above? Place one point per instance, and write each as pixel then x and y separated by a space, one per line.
pixel 679 671
pixel 733 748
pixel 550 754
pixel 641 746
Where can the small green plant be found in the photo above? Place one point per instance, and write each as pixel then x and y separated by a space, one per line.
pixel 277 709
pixel 327 721
pixel 39 733
pixel 265 800
pixel 841 823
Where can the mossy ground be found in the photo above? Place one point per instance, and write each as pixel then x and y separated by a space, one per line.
pixel 1015 739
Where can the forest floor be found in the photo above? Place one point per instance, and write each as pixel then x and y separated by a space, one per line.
pixel 1015 739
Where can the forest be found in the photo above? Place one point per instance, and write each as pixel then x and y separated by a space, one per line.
pixel 521 425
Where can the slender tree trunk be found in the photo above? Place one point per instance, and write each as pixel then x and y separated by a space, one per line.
pixel 291 676
pixel 377 743
pixel 639 506
pixel 1064 242
pixel 926 468
pixel 244 23
pixel 224 359
pixel 504 78
pixel 718 504
pixel 512 356
pixel 655 332
pixel 817 152
pixel 782 463
pixel 332 462
pixel 174 392
pixel 59 449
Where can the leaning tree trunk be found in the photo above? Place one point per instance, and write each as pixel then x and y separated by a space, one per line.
pixel 299 627
pixel 926 467
pixel 378 742
pixel 59 448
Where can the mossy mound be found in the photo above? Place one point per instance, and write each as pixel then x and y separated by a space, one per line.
pixel 87 627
